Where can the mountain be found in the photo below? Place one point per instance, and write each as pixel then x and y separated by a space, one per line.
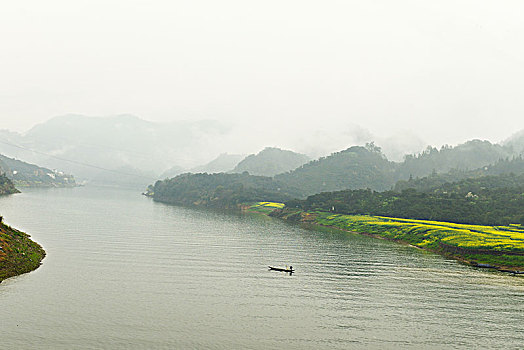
pixel 90 146
pixel 271 161
pixel 467 156
pixel 30 175
pixel 435 180
pixel 355 167
pixel 516 142
pixel 223 163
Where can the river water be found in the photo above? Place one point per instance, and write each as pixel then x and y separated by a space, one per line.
pixel 124 272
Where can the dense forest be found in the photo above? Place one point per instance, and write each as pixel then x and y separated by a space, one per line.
pixel 271 161
pixel 355 167
pixel 218 190
pixel 487 200
pixel 476 182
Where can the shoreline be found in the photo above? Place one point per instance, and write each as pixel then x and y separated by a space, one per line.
pixel 480 258
pixel 18 253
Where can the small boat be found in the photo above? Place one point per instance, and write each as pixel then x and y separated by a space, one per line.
pixel 281 269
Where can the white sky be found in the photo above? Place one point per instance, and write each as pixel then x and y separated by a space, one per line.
pixel 447 70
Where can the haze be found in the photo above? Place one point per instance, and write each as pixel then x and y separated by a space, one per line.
pixel 444 71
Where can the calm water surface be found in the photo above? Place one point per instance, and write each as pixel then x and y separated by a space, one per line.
pixel 124 272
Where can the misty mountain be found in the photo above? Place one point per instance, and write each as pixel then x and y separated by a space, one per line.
pixel 367 167
pixel 355 167
pixel 25 174
pixel 516 143
pixel 271 161
pixel 125 176
pixel 88 146
pixel 172 172
pixel 467 156
pixel 223 163
pixel 434 180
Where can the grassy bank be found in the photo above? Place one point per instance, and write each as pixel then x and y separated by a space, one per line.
pixel 500 247
pixel 18 253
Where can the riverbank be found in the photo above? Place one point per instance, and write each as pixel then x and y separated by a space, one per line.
pixel 18 253
pixel 497 247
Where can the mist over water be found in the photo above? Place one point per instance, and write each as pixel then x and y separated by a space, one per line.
pixel 124 272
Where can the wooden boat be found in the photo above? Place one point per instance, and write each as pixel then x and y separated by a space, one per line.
pixel 290 270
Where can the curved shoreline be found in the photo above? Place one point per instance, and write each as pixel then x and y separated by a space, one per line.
pixel 18 253
pixel 472 257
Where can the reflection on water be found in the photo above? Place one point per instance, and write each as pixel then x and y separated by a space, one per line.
pixel 124 272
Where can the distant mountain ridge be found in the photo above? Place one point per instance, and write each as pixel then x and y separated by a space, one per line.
pixel 367 168
pixel 271 161
pixel 125 141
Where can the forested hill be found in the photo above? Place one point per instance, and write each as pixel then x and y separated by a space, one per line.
pixel 355 167
pixel 487 200
pixel 25 174
pixel 6 185
pixel 352 169
pixel 366 167
pixel 470 155
pixel 434 180
pixel 219 190
pixel 271 161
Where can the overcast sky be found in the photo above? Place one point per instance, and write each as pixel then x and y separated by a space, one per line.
pixel 447 70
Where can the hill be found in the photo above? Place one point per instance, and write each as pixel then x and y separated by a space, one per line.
pixel 6 186
pixel 18 253
pixel 30 175
pixel 516 143
pixel 355 167
pixel 217 190
pixel 486 200
pixel 271 161
pixel 89 146
pixel 434 180
pixel 467 156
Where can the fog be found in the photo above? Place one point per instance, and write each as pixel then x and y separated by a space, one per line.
pixel 312 76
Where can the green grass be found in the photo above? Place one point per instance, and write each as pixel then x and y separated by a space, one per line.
pixel 18 253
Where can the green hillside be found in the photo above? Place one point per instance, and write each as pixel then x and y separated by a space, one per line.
pixel 24 174
pixel 271 161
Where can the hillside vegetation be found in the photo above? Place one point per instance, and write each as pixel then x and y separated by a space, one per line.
pixel 271 161
pixel 29 175
pixel 18 253
pixel 487 200
pixel 218 190
pixel 367 168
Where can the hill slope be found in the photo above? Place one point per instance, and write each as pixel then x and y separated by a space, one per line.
pixel 25 174
pixel 271 161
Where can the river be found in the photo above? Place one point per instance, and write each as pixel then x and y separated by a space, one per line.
pixel 124 272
